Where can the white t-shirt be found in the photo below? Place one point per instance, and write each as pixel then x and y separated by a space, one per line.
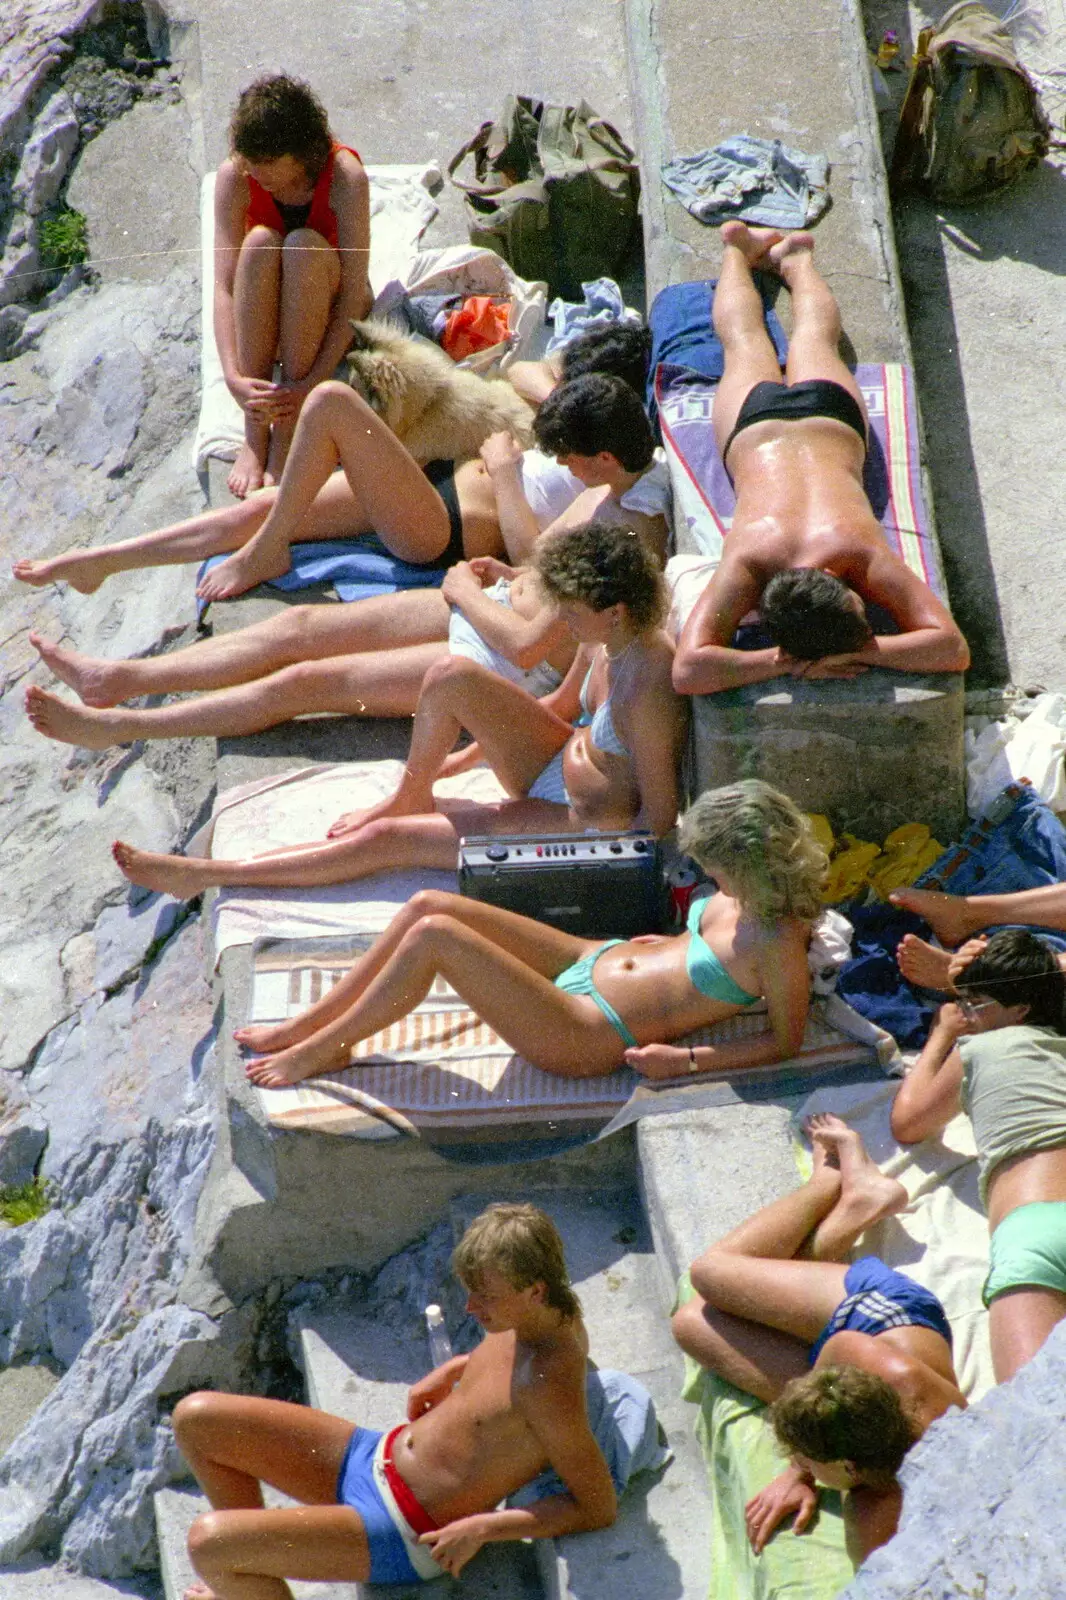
pixel 549 488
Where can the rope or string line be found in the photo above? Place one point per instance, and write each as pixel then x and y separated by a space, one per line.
pixel 182 250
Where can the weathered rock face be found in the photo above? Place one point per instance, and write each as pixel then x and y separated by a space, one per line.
pixel 93 1284
pixel 93 429
pixel 67 70
pixel 982 1513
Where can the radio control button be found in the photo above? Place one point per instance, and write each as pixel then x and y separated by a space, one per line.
pixel 497 852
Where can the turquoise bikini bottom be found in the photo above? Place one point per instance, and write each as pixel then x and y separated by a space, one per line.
pixel 578 980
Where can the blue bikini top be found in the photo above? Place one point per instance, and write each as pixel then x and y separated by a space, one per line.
pixel 600 723
pixel 706 972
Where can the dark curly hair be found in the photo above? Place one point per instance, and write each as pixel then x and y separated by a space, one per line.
pixel 809 613
pixel 844 1413
pixel 603 564
pixel 596 412
pixel 281 116
pixel 620 350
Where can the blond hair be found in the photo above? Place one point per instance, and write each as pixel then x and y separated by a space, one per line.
pixel 523 1245
pixel 765 845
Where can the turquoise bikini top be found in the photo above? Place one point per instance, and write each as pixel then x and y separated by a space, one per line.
pixel 706 972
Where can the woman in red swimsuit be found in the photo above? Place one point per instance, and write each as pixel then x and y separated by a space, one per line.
pixel 292 245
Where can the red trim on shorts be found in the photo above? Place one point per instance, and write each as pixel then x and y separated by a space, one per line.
pixel 417 1515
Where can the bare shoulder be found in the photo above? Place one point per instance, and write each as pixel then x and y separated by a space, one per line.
pixel 553 1377
pixel 231 187
pixel 349 174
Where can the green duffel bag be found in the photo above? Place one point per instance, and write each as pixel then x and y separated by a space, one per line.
pixel 554 192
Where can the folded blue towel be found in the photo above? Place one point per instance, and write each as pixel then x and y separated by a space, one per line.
pixel 357 568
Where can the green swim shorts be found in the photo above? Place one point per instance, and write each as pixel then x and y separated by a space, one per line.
pixel 1028 1250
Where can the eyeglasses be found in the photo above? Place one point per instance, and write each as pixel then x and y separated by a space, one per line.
pixel 971 1009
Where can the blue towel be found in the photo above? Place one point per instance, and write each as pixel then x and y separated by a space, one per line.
pixel 624 1425
pixel 357 568
pixel 603 305
pixel 758 180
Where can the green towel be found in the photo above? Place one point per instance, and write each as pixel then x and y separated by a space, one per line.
pixel 742 1457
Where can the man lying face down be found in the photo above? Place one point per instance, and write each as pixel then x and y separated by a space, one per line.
pixel 419 1500
pixel 805 547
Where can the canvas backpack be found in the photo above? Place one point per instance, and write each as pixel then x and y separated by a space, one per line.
pixel 972 121
pixel 554 192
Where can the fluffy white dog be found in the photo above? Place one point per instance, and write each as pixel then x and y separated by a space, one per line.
pixel 441 412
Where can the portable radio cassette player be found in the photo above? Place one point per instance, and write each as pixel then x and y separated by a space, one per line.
pixel 594 885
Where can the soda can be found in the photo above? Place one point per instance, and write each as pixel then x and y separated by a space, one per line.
pixel 681 880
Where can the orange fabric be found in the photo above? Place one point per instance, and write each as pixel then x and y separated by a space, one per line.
pixel 479 323
pixel 263 212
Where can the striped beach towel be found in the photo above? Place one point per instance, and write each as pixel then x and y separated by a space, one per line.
pixel 444 1073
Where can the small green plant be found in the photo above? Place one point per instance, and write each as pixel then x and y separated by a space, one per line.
pixel 63 240
pixel 23 1202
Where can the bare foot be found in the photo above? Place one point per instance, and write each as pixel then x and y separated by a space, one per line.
pixel 199 1591
pixel 267 1038
pixel 406 802
pixel 241 572
pixel 923 964
pixel 246 474
pixel 84 570
pixel 950 916
pixel 174 875
pixel 89 677
pixel 300 1061
pixel 81 725
pixel 792 244
pixel 866 1193
pixel 754 244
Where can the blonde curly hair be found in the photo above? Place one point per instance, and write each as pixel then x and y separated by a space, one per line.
pixel 765 845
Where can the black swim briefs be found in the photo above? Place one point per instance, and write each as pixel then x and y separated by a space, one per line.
pixel 441 475
pixel 818 397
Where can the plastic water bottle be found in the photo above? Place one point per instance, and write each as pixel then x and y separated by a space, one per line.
pixel 440 1346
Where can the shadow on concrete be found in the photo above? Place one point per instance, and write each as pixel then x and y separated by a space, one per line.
pixel 1028 223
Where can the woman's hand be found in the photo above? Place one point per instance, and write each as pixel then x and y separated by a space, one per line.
pixel 288 398
pixel 500 452
pixel 460 581
pixel 792 1491
pixel 659 1060
pixel 487 569
pixel 257 395
pixel 455 1543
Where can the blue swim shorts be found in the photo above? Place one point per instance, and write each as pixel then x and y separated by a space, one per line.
pixel 394 1546
pixel 1028 1250
pixel 877 1299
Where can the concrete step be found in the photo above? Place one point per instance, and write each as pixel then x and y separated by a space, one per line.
pixel 659 1545
pixel 176 1509
pixel 357 1368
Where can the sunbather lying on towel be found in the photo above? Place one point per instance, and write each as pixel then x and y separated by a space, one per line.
pixel 999 1054
pixel 805 547
pixel 600 753
pixel 774 1300
pixel 422 1499
pixel 369 658
pixel 498 504
pixel 292 249
pixel 958 920
pixel 581 1007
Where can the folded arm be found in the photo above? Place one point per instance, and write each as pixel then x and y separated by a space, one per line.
pixel 705 661
pixel 523 640
pixel 931 1093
